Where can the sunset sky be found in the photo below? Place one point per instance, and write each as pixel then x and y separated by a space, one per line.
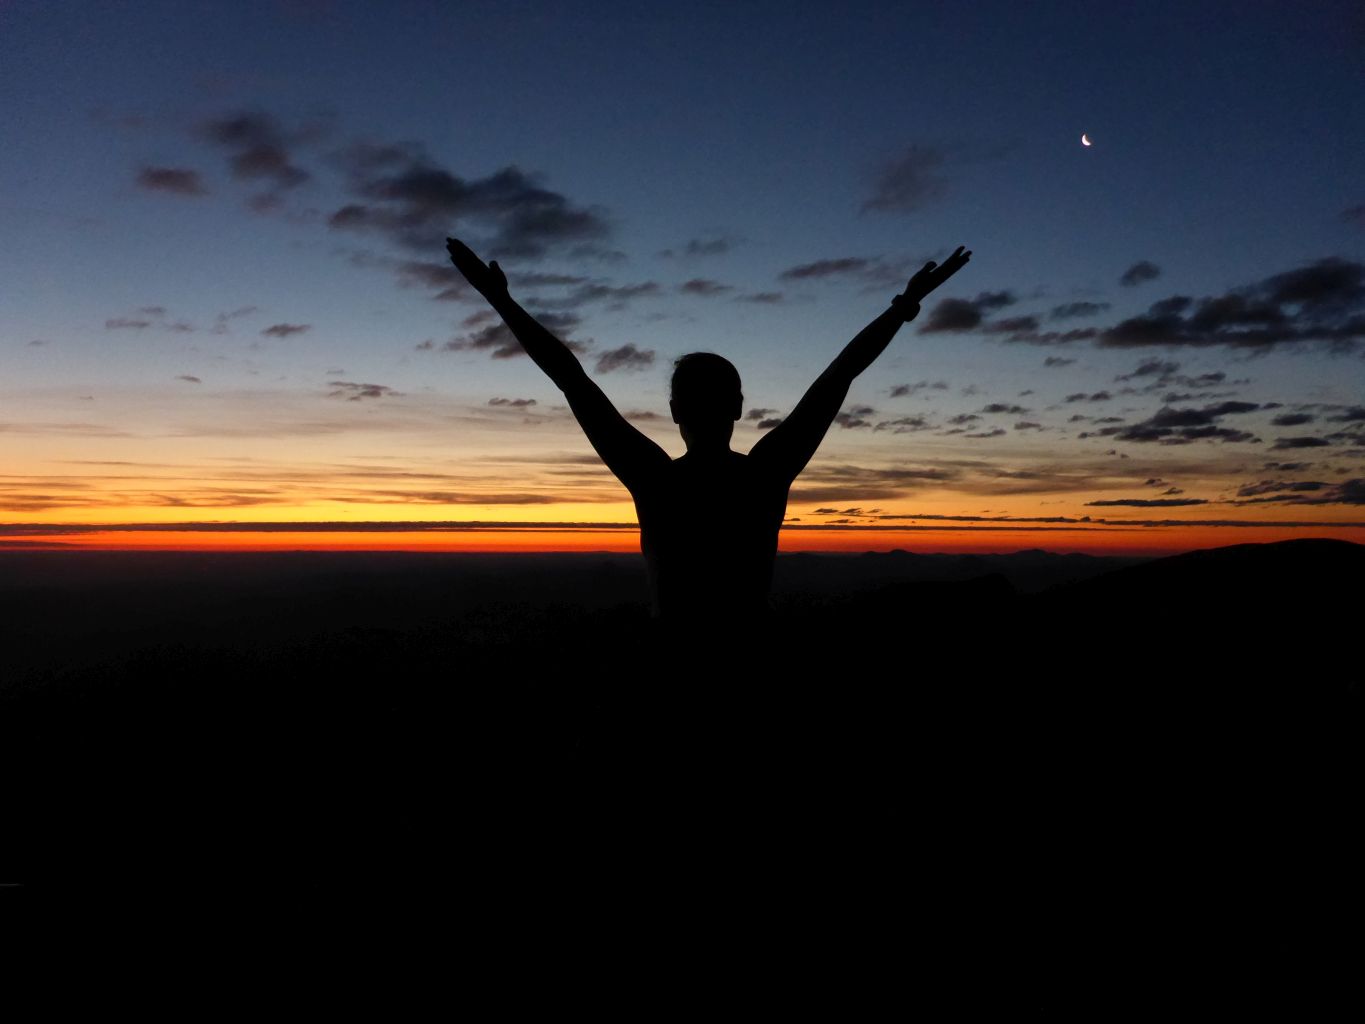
pixel 227 317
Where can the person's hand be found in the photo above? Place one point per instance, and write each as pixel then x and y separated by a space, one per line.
pixel 932 274
pixel 488 279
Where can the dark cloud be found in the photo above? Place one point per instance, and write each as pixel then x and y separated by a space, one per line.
pixel 259 148
pixel 1171 426
pixel 1027 425
pixel 627 357
pixel 355 392
pixel 855 417
pixel 1152 502
pixel 768 424
pixel 963 418
pixel 1142 270
pixel 1323 301
pixel 965 314
pixel 704 286
pixel 1055 361
pixel 1271 486
pixel 285 330
pixel 1159 368
pixel 641 415
pixel 407 196
pixel 764 298
pixel 1308 492
pixel 1077 309
pixel 1293 419
pixel 909 181
pixel 1286 467
pixel 126 323
pixel 1353 414
pixel 178 181
pixel 1011 325
pixel 1094 396
pixel 501 343
pixel 997 432
pixel 905 425
pixel 514 403
pixel 1286 443
pixel 825 268
pixel 905 390
pixel 192 380
pixel 1000 407
pixel 759 414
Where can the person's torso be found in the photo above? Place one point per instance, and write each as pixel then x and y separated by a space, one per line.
pixel 708 530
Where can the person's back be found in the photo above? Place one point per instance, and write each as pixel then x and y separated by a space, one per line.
pixel 708 530
pixel 709 520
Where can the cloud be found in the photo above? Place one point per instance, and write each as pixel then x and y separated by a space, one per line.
pixel 997 432
pixel 501 343
pixel 1293 419
pixel 178 181
pixel 1000 407
pixel 514 403
pixel 1289 443
pixel 627 357
pixel 763 298
pixel 1354 215
pixel 1322 301
pixel 1170 426
pixel 1270 486
pixel 1139 272
pixel 1094 396
pixel 1028 425
pixel 759 414
pixel 1151 502
pixel 704 286
pixel 285 330
pixel 905 425
pixel 125 323
pixel 259 148
pixel 354 392
pixel 222 321
pixel 192 380
pixel 1072 310
pixel 769 423
pixel 1158 368
pixel 411 199
pixel 1057 361
pixel 909 390
pixel 825 268
pixel 965 314
pixel 1309 492
pixel 909 181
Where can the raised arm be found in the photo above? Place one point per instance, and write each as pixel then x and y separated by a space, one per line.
pixel 790 445
pixel 625 450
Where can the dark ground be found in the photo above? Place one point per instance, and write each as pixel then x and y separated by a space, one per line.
pixel 1049 767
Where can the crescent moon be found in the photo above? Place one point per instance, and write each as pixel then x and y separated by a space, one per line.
pixel 1085 141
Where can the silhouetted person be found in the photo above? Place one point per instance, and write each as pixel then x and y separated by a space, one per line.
pixel 705 569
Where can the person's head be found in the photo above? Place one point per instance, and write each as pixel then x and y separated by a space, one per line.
pixel 705 397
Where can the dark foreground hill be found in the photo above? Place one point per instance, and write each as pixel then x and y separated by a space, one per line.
pixel 1036 761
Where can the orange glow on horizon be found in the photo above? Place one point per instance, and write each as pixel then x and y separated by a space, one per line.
pixel 1141 541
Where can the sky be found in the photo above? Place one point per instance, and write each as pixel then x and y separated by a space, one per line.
pixel 227 318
